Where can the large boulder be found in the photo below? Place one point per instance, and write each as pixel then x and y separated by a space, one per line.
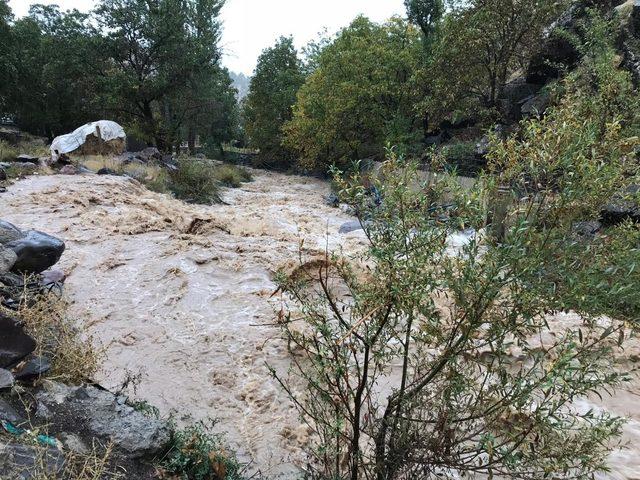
pixel 93 413
pixel 36 251
pixel 102 137
pixel 15 344
pixel 9 232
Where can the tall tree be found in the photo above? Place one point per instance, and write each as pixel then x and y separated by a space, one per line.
pixel 272 94
pixel 158 48
pixel 53 88
pixel 481 44
pixel 425 13
pixel 359 97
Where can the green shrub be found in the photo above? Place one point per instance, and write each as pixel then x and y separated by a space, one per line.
pixel 232 176
pixel 7 152
pixel 198 454
pixel 195 181
pixel 459 153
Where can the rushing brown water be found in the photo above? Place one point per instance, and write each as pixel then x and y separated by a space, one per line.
pixel 182 295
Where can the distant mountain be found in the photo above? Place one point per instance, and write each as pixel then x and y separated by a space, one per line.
pixel 241 83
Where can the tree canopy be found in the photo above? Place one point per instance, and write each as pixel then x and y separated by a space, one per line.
pixel 268 106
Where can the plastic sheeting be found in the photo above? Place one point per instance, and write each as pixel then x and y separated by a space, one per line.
pixel 103 129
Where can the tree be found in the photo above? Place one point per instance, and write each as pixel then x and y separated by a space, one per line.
pixel 5 52
pixel 423 362
pixel 425 13
pixel 358 97
pixel 480 46
pixel 54 88
pixel 158 49
pixel 272 94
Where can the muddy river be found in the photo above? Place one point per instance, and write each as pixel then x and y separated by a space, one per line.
pixel 180 297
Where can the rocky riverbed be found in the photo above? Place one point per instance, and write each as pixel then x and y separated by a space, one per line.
pixel 181 297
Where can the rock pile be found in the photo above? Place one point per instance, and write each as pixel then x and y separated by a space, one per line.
pixel 75 418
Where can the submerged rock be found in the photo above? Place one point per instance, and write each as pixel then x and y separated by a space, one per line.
pixel 349 227
pixel 93 413
pixel 15 344
pixel 36 251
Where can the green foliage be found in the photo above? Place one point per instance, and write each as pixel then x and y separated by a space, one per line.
pixel 232 176
pixel 268 105
pixel 420 360
pixel 152 66
pixel 425 13
pixel 459 152
pixel 480 45
pixel 51 90
pixel 198 454
pixel 8 153
pixel 195 182
pixel 358 98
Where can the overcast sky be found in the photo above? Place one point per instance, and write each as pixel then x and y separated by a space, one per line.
pixel 251 25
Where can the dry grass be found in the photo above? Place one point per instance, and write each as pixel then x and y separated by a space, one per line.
pixel 74 356
pixel 94 465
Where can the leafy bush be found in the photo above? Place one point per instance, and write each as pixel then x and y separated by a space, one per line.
pixel 232 176
pixel 198 454
pixel 195 182
pixel 422 360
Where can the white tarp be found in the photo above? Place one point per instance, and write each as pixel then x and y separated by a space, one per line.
pixel 104 129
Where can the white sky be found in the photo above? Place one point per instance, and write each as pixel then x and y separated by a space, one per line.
pixel 252 25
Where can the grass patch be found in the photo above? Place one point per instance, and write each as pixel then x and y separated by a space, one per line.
pixel 94 465
pixel 198 454
pixel 195 182
pixel 34 148
pixel 74 358
pixel 232 176
pixel 8 153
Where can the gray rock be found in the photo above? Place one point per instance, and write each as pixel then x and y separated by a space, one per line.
pixel 9 232
pixel 33 368
pixel 8 259
pixel 332 200
pixel 36 252
pixel 23 462
pixel 349 227
pixel 6 379
pixel 536 105
pixel 3 174
pixel 74 443
pixel 9 414
pixel 622 208
pixel 68 170
pixel 24 168
pixel 28 159
pixel 587 228
pixel 93 413
pixel 15 344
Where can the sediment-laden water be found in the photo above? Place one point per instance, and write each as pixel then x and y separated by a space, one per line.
pixel 181 298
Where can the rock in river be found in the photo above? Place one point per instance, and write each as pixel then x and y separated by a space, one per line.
pixel 15 344
pixel 36 251
pixel 90 412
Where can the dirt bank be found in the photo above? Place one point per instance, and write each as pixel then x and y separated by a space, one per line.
pixel 182 294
